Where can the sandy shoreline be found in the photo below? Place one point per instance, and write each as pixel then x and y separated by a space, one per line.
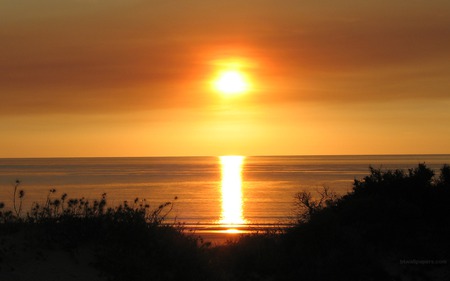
pixel 217 238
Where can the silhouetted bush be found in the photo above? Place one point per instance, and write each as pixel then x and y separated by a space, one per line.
pixel 389 216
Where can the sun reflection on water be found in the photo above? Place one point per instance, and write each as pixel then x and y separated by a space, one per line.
pixel 232 214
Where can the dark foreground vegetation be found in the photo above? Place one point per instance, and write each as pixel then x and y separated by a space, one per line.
pixel 394 225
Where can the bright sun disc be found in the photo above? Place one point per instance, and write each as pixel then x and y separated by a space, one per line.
pixel 231 82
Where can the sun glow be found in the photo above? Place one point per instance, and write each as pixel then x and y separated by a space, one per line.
pixel 232 190
pixel 233 71
pixel 231 82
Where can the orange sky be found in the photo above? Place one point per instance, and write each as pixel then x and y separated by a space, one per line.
pixel 132 78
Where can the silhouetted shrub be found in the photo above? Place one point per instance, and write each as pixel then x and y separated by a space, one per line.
pixel 308 206
pixel 444 178
pixel 389 216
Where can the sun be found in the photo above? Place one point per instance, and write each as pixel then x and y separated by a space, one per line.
pixel 231 82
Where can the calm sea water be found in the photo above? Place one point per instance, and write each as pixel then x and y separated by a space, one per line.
pixel 268 184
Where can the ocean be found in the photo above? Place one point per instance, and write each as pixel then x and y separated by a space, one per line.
pixel 210 191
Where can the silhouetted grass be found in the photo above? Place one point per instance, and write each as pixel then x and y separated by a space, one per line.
pixel 393 225
pixel 130 241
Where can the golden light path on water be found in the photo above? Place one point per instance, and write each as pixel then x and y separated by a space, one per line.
pixel 231 184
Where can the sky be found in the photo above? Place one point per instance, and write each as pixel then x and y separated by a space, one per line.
pixel 88 78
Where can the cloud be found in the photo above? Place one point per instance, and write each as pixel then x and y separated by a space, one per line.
pixel 81 57
pixel 361 60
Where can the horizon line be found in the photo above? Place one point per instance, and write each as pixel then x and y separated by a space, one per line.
pixel 259 155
